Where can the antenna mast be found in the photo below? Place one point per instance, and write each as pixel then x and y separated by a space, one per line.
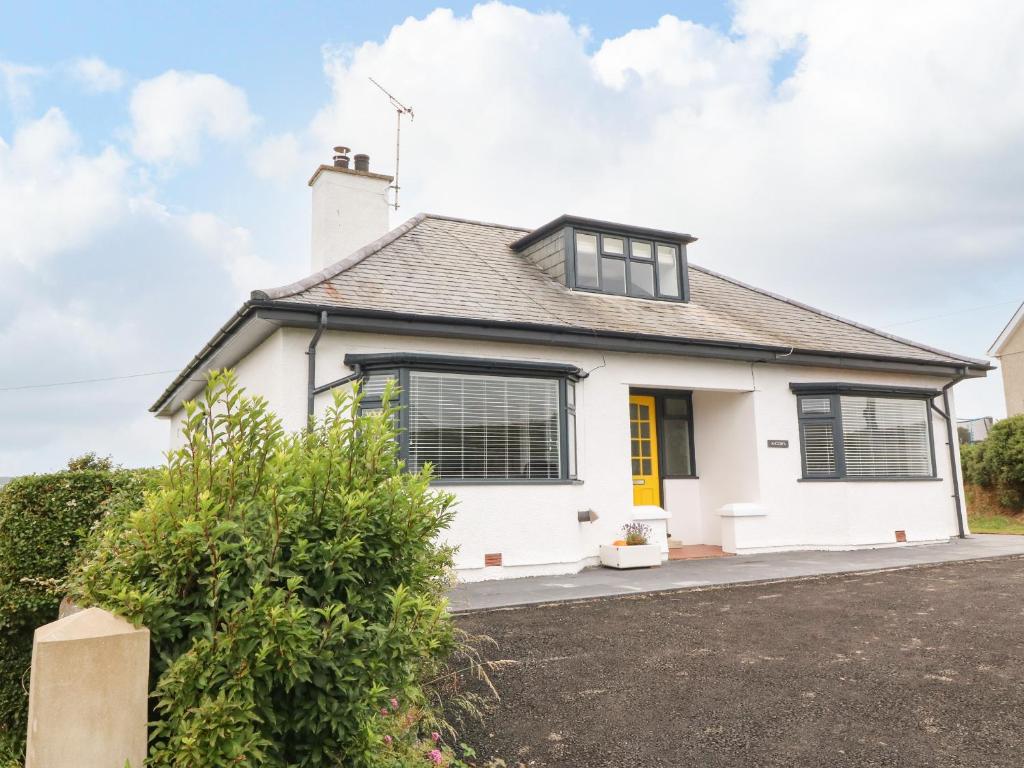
pixel 400 109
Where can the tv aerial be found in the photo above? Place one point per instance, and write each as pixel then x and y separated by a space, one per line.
pixel 400 109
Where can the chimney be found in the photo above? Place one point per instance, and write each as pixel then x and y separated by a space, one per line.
pixel 350 208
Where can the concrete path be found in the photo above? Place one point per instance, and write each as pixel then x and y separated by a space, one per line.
pixel 599 582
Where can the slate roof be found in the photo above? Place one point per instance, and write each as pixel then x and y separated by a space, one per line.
pixel 442 267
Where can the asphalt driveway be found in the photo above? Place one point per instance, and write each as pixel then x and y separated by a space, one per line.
pixel 918 667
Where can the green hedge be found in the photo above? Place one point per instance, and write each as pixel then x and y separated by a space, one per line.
pixel 998 462
pixel 43 519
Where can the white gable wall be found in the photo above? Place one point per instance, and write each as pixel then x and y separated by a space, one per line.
pixel 737 409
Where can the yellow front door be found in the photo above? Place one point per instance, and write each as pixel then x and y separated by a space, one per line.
pixel 644 451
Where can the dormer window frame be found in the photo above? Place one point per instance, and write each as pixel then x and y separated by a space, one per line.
pixel 628 259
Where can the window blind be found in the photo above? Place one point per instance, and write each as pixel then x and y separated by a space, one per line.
pixel 819 449
pixel 484 427
pixel 885 437
pixel 865 436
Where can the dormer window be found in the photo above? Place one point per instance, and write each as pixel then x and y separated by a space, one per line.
pixel 601 257
pixel 627 265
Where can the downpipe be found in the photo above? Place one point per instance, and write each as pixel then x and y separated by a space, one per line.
pixel 953 442
pixel 311 365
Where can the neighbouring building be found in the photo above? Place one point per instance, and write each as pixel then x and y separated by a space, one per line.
pixel 975 430
pixel 1008 349
pixel 568 379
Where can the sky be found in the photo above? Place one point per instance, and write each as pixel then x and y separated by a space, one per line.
pixel 865 158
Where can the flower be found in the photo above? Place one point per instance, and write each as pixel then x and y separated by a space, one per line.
pixel 435 736
pixel 387 739
pixel 394 703
pixel 383 711
pixel 435 756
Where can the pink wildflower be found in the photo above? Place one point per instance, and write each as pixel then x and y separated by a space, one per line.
pixel 394 703
pixel 435 736
pixel 383 712
pixel 435 756
pixel 387 739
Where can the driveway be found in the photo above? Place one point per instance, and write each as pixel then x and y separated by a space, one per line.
pixel 918 667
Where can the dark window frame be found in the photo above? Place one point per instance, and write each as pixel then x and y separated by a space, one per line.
pixel 835 391
pixel 682 273
pixel 401 365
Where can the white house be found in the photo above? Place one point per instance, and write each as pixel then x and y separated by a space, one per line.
pixel 569 379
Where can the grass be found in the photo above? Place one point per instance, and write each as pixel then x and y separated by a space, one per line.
pixel 996 524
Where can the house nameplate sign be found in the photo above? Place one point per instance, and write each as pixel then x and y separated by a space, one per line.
pixel 778 443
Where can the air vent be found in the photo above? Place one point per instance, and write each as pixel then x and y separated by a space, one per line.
pixel 494 558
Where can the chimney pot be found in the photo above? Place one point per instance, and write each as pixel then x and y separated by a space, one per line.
pixel 362 163
pixel 341 157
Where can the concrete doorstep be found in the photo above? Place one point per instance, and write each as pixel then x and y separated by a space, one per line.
pixel 603 582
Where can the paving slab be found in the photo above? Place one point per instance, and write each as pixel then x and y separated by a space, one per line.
pixel 601 582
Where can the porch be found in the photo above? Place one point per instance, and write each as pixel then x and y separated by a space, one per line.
pixel 695 469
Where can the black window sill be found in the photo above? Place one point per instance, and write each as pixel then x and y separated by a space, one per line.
pixel 503 481
pixel 869 479
pixel 680 477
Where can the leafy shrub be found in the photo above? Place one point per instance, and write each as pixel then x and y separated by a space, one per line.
pixel 997 463
pixel 291 584
pixel 1002 460
pixel 43 519
pixel 973 465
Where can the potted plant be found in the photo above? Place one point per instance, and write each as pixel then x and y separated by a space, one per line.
pixel 632 550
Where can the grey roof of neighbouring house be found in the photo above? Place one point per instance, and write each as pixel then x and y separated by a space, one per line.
pixel 442 267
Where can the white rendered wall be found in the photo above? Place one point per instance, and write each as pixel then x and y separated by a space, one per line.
pixel 350 210
pixel 737 408
pixel 827 515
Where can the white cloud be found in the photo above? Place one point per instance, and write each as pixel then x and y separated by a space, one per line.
pixel 52 196
pixel 96 75
pixel 880 180
pixel 15 81
pixel 232 248
pixel 171 114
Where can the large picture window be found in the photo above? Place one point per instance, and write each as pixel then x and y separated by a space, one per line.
pixel 862 435
pixel 478 420
pixel 484 427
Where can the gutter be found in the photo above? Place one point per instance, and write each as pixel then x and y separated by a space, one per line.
pixel 343 318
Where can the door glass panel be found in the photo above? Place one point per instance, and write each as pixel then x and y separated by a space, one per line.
pixel 586 261
pixel 676 406
pixel 676 437
pixel 613 273
pixel 641 278
pixel 668 270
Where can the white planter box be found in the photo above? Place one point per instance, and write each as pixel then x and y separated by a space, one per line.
pixel 638 556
